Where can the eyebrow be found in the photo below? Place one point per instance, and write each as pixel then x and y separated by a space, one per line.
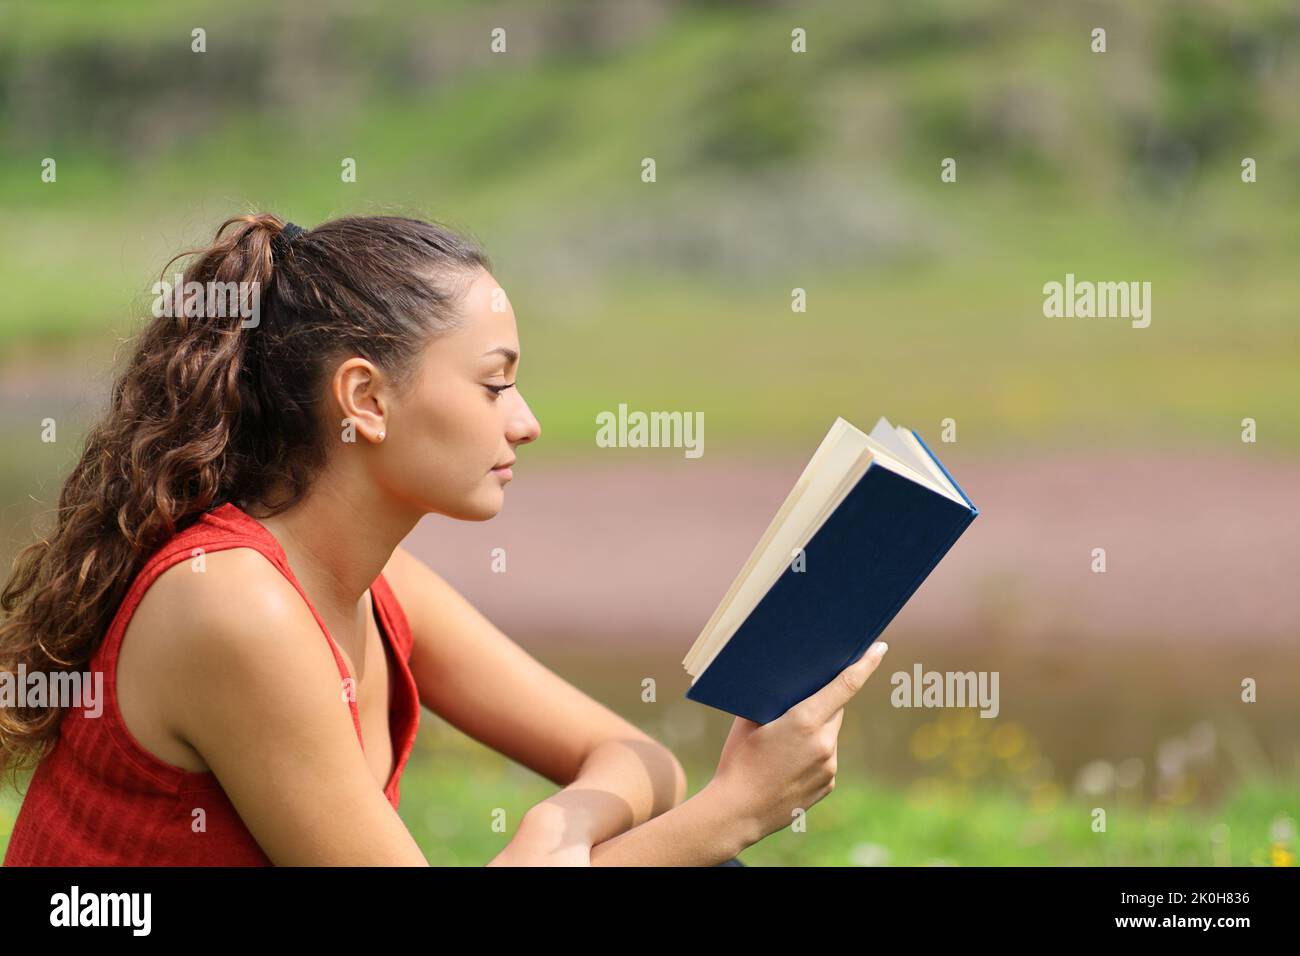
pixel 511 355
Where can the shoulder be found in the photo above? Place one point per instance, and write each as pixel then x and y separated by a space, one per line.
pixel 204 585
pixel 229 616
pixel 212 636
pixel 253 691
pixel 228 593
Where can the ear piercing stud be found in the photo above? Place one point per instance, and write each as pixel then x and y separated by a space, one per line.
pixel 380 436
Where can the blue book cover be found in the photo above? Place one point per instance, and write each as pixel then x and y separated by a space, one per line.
pixel 857 571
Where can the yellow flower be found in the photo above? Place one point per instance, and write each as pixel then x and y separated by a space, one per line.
pixel 967 764
pixel 1007 741
pixel 963 723
pixel 1044 796
pixel 928 742
pixel 926 792
pixel 1023 762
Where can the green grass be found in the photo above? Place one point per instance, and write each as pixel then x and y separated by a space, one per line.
pixel 862 823
pixel 453 786
pixel 453 790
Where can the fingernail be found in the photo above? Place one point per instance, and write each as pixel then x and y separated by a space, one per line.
pixel 879 648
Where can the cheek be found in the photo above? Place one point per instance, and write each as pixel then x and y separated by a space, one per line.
pixel 453 437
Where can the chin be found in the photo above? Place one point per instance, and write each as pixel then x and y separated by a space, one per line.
pixel 480 508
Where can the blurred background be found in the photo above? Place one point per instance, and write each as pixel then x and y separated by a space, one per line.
pixel 775 171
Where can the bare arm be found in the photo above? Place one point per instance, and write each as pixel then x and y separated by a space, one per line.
pixel 703 831
pixel 765 773
pixel 622 790
pixel 256 692
pixel 614 791
pixel 562 829
pixel 614 776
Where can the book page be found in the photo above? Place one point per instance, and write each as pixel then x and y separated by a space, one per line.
pixel 904 467
pixel 884 433
pixel 833 436
pixel 847 462
pixel 842 458
pixel 906 435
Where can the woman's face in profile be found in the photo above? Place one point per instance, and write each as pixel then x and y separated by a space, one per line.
pixel 455 424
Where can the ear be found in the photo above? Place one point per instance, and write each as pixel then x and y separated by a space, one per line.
pixel 360 391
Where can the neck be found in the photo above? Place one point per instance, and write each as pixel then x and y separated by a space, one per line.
pixel 337 543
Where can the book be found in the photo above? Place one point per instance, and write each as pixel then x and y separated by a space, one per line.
pixel 867 521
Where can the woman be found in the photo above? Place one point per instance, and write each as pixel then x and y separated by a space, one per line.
pixel 246 495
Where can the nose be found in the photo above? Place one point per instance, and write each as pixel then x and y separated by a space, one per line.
pixel 524 426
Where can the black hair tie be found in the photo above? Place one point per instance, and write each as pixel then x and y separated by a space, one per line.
pixel 286 236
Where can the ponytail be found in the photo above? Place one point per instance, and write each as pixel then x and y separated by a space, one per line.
pixel 218 403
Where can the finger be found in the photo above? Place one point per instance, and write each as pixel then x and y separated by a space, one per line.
pixel 742 727
pixel 836 719
pixel 845 684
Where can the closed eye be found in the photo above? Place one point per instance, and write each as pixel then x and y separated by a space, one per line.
pixel 498 389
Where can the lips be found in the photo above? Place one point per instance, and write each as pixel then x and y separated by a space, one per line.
pixel 506 464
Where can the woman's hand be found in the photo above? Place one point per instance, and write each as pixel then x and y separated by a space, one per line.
pixel 543 840
pixel 766 771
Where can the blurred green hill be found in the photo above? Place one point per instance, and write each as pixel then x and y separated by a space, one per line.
pixel 774 171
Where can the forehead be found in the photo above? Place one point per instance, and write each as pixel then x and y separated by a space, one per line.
pixel 486 298
pixel 489 321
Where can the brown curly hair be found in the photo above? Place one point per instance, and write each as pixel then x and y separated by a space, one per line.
pixel 211 409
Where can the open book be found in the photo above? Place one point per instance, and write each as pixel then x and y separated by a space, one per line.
pixel 864 525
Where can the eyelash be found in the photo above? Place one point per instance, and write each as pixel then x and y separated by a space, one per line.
pixel 498 389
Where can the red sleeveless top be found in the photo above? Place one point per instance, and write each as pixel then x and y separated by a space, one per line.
pixel 99 798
